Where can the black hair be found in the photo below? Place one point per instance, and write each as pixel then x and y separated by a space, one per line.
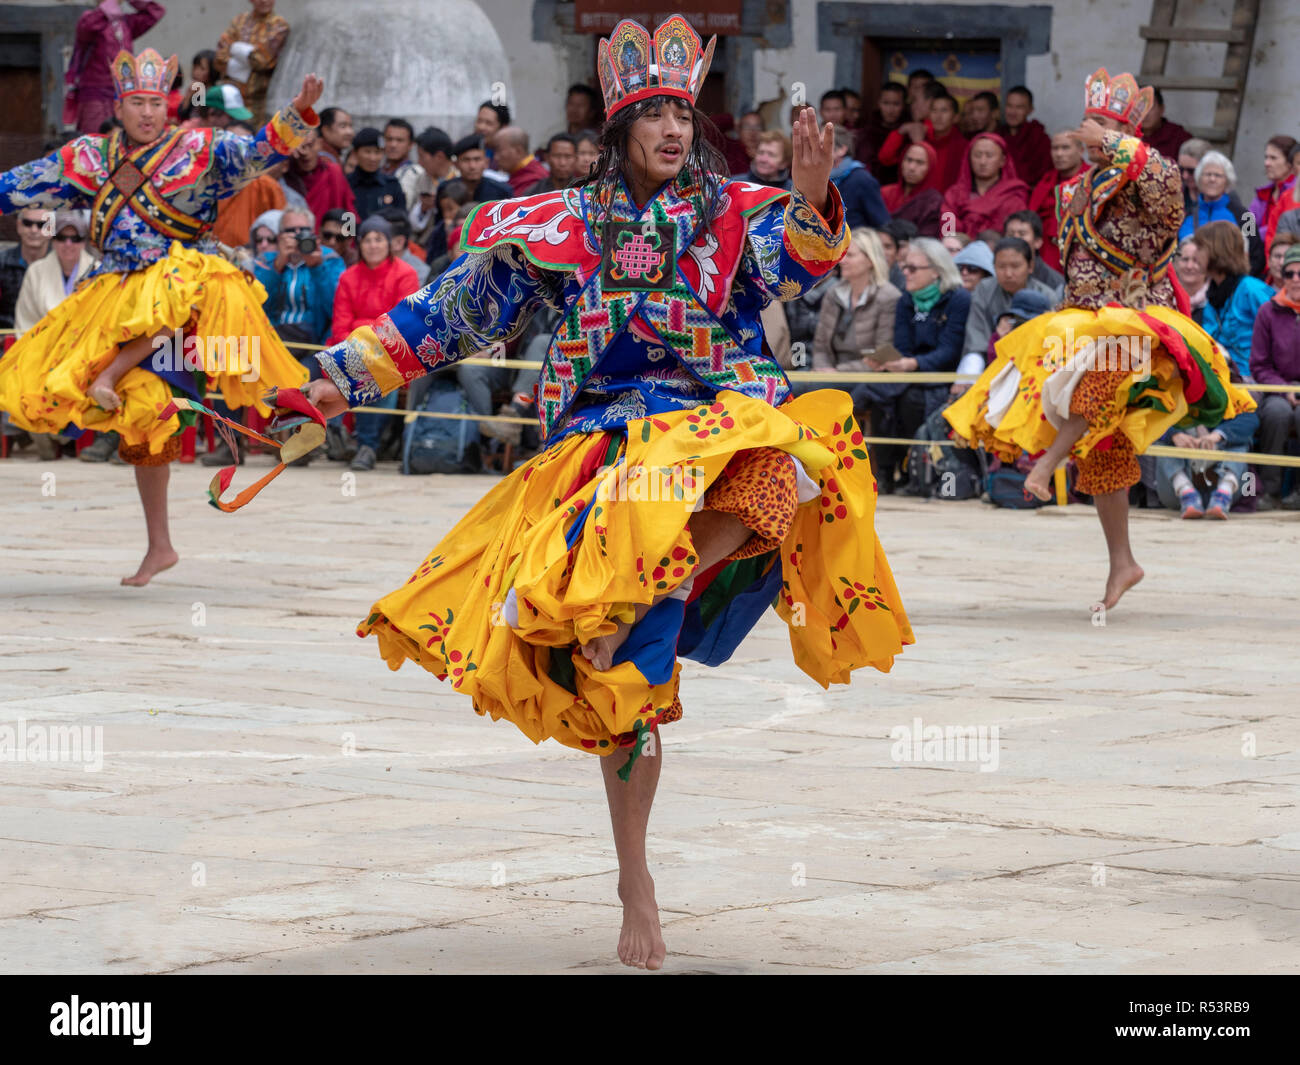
pixel 500 110
pixel 593 97
pixel 397 221
pixel 434 140
pixel 330 114
pixel 705 165
pixel 1020 90
pixel 401 123
pixel 453 189
pixel 922 73
pixel 207 54
pixel 469 143
pixel 242 125
pixel 934 89
pixel 990 98
pixel 1160 99
pixel 1015 244
pixel 110 124
pixel 901 230
pixel 567 138
pixel 945 96
pixel 846 92
pixel 1031 217
pixel 335 214
pixel 893 86
pixel 587 135
pixel 833 94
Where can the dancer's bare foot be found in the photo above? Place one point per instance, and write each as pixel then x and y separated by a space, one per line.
pixel 641 942
pixel 102 393
pixel 154 563
pixel 1118 582
pixel 1039 481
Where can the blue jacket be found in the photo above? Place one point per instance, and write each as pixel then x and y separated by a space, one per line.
pixel 1204 211
pixel 1234 326
pixel 860 192
pixel 302 295
pixel 934 340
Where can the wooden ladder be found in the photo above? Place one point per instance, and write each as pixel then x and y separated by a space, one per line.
pixel 1231 85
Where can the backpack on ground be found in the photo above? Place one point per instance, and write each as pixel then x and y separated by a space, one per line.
pixel 939 471
pixel 442 445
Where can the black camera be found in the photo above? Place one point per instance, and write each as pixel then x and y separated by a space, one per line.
pixel 306 239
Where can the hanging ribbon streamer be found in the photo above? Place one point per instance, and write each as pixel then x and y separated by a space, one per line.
pixel 292 411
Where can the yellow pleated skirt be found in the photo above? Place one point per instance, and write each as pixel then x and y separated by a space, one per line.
pixel 574 547
pixel 1176 376
pixel 44 376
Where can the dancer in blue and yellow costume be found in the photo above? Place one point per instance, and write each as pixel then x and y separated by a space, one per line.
pixel 682 489
pixel 1104 377
pixel 152 193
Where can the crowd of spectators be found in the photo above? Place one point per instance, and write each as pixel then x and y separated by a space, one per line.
pixel 952 203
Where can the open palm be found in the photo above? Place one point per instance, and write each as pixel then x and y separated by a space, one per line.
pixel 814 151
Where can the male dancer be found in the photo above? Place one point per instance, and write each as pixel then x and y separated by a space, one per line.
pixel 153 195
pixel 562 601
pixel 1121 362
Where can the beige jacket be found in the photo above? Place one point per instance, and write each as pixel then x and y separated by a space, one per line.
pixel 43 289
pixel 873 325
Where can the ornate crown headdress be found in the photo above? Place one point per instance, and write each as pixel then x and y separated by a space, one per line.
pixel 633 65
pixel 146 73
pixel 1118 98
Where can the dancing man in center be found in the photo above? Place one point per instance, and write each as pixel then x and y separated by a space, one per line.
pixel 682 490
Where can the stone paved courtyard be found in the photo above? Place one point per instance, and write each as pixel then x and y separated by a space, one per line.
pixel 273 799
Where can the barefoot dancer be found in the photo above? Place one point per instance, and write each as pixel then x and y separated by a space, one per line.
pixel 153 195
pixel 682 489
pixel 1108 374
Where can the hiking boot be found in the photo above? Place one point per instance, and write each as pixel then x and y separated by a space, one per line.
pixel 364 458
pixel 221 456
pixel 1292 502
pixel 47 445
pixel 1269 502
pixel 101 449
pixel 340 445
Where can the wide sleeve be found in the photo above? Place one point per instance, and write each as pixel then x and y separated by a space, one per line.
pixel 481 298
pixel 1157 181
pixel 238 160
pixel 43 183
pixel 790 246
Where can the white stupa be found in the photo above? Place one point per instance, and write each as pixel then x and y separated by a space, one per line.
pixel 430 63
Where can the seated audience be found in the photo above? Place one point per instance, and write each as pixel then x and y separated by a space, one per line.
pixel 975 262
pixel 1233 297
pixel 1027 143
pixel 1013 260
pixel 1067 162
pixel 1275 360
pixel 915 196
pixel 1029 227
pixel 858 189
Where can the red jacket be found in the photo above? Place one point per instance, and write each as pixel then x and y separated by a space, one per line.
pixel 975 212
pixel 950 148
pixel 323 188
pixel 1030 149
pixel 1043 201
pixel 364 294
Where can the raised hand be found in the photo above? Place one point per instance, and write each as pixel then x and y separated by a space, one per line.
pixel 311 90
pixel 814 152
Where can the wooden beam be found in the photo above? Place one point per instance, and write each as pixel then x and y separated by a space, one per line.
pixel 1186 33
pixel 1168 83
pixel 1156 53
